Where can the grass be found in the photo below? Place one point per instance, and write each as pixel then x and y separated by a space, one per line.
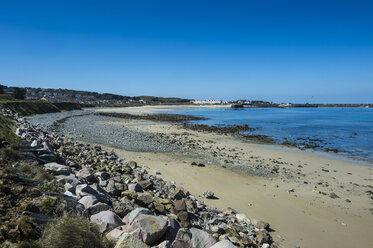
pixel 73 233
pixel 49 203
pixel 35 172
pixel 29 244
pixel 9 142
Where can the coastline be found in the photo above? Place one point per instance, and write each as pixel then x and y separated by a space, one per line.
pixel 300 213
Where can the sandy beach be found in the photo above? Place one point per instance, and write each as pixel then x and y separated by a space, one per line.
pixel 314 201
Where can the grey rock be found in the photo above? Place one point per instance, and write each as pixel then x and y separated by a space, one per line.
pixel 223 244
pixel 116 233
pixel 123 207
pixel 183 239
pixel 201 238
pixel 135 187
pixel 98 207
pixel 129 218
pixel 106 220
pixel 57 169
pixel 172 229
pixel 151 228
pixel 165 244
pixel 34 144
pixel 86 174
pixel 88 201
pixel 208 194
pixel 128 241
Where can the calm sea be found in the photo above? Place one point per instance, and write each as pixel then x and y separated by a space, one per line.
pixel 349 130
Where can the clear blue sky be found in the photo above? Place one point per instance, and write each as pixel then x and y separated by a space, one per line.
pixel 272 50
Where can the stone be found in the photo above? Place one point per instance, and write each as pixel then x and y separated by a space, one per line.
pixel 144 199
pixel 201 238
pixel 20 131
pixel 173 227
pixel 57 169
pixel 68 193
pixel 106 220
pixel 103 175
pixel 242 218
pixel 129 194
pixel 262 237
pixel 223 244
pixel 82 190
pixel 116 233
pixel 123 207
pixel 34 144
pixel 151 228
pixel 48 157
pixel 128 241
pixel 333 195
pixel 135 187
pixel 86 174
pixel 259 224
pixel 111 189
pixel 88 201
pixel 146 184
pixel 209 194
pixel 97 208
pixel 129 218
pixel 180 205
pixel 183 215
pixel 183 239
pixel 165 244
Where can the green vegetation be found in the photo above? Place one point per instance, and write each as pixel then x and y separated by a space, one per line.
pixel 29 244
pixel 46 188
pixel 9 142
pixel 30 108
pixel 19 93
pixel 35 172
pixel 49 203
pixel 73 233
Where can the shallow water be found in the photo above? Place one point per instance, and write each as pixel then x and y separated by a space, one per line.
pixel 349 130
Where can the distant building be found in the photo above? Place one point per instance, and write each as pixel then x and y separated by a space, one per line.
pixel 208 102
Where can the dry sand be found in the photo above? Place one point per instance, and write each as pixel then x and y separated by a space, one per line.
pixel 296 202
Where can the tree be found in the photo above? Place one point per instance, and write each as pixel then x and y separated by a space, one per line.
pixel 19 93
pixel 2 89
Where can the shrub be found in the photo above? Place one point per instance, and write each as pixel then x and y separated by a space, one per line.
pixel 29 244
pixel 49 203
pixel 73 233
pixel 35 172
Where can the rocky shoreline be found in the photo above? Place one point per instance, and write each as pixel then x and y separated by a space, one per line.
pixel 130 206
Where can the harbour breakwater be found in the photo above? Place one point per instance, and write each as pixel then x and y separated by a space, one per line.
pixel 60 177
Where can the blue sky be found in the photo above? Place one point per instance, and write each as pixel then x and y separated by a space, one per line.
pixel 298 51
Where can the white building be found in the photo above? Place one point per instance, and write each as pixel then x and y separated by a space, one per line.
pixel 208 102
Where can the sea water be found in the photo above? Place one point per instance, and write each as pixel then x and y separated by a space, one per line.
pixel 348 130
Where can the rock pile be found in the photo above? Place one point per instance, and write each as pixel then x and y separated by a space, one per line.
pixel 130 206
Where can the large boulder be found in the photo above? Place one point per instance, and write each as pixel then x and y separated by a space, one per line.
pixel 201 238
pixel 148 228
pixel 115 234
pixel 86 174
pixel 97 208
pixel 88 201
pixel 183 239
pixel 223 244
pixel 106 220
pixel 129 218
pixel 123 207
pixel 128 241
pixel 57 169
